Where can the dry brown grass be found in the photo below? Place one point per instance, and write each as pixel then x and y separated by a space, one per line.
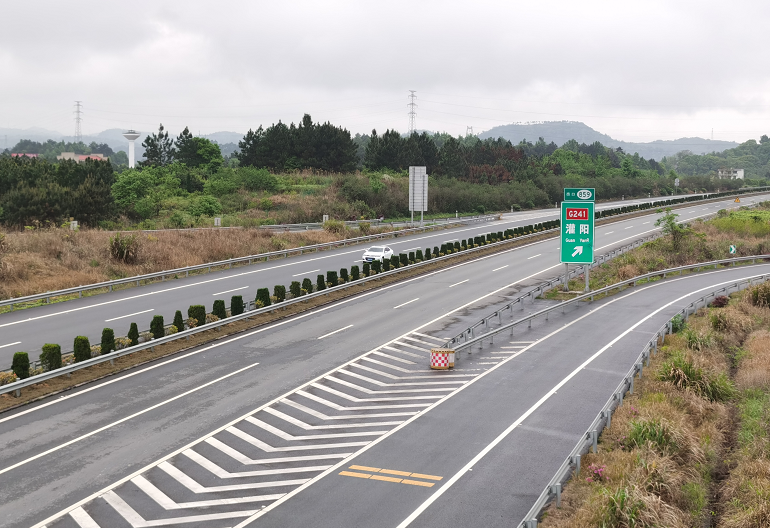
pixel 754 369
pixel 746 495
pixel 52 259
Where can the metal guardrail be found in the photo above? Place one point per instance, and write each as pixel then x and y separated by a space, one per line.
pixel 467 343
pixel 68 369
pixel 229 262
pixel 590 439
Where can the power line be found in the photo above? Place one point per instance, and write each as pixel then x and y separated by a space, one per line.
pixel 412 105
pixel 78 122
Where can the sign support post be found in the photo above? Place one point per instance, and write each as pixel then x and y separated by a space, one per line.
pixel 418 191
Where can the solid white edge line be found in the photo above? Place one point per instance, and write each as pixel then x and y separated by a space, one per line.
pixel 129 315
pixel 332 333
pixel 10 344
pixel 124 419
pixel 407 302
pixel 229 291
pixel 307 272
pixel 458 283
pixel 449 483
pixel 432 406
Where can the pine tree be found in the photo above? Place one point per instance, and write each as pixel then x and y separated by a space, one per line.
pixel 159 149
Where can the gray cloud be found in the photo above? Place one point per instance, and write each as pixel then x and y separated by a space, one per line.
pixel 635 70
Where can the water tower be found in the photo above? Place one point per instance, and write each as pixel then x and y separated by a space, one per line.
pixel 131 136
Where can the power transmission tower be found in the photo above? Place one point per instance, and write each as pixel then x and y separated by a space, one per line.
pixel 468 131
pixel 412 105
pixel 78 122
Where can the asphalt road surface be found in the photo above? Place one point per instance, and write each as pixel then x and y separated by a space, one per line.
pixel 30 329
pixel 266 418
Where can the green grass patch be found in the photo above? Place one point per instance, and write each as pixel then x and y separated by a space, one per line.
pixel 754 410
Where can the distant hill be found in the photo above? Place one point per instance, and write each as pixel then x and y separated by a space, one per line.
pixel 562 131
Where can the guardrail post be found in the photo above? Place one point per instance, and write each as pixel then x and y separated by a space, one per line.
pixel 18 392
pixel 631 385
pixel 608 416
pixel 575 461
pixel 556 490
pixel 595 440
pixel 639 367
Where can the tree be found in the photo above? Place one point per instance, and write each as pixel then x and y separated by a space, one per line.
pixel 671 228
pixel 159 149
pixel 764 139
pixel 186 149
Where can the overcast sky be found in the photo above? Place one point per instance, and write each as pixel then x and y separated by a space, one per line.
pixel 637 71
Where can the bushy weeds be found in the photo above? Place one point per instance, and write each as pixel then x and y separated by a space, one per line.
pixel 683 374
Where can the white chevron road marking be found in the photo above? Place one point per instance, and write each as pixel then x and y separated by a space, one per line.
pixel 167 503
pixel 419 341
pixel 308 427
pixel 361 408
pixel 195 487
pixel 367 400
pixel 270 449
pixel 393 376
pixel 222 473
pixel 394 358
pixel 392 391
pixel 243 459
pixel 286 436
pixel 404 352
pixel 82 519
pixel 400 369
pixel 413 347
pixel 400 384
pixel 323 416
pixel 137 521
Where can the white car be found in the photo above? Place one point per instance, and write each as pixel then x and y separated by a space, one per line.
pixel 377 253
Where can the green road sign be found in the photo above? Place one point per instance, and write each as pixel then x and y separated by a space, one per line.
pixel 732 250
pixel 582 194
pixel 577 232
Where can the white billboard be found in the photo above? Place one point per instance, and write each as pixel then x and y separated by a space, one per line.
pixel 418 189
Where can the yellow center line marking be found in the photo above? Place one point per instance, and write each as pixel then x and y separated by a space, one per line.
pixel 364 468
pixel 394 472
pixel 429 477
pixel 387 479
pixel 351 474
pixel 418 483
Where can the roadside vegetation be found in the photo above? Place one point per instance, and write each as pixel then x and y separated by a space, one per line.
pixel 690 447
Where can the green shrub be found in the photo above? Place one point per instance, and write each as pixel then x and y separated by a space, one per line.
pixel 335 226
pixel 263 296
pixel 108 339
pixel 20 365
pixel 331 278
pixel 760 295
pixel 428 256
pixel 419 255
pixel 394 261
pixel 653 433
pixel 470 243
pixel 279 292
pixel 355 273
pixel 464 244
pixel 403 259
pixel 219 309
pixel 133 334
pixel 307 284
pixel 295 288
pixel 457 246
pixel 720 302
pixel 236 307
pixel 344 274
pixel 442 249
pixel 197 312
pixel 678 324
pixel 499 235
pixel 366 269
pixel 386 264
pixel 50 358
pixel 82 349
pixel 320 283
pixel 377 266
pixel 156 328
pixel 411 256
pixel 435 251
pixel 684 375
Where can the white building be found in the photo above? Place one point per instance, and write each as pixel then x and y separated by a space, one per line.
pixel 730 174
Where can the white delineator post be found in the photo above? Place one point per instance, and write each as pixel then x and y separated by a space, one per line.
pixel 131 137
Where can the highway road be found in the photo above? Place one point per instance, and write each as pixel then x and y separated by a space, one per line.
pixel 59 323
pixel 249 420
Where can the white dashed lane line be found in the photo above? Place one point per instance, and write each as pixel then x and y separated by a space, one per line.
pixel 458 283
pixel 534 256
pixel 10 344
pixel 501 267
pixel 129 315
pixel 332 333
pixel 407 302
pixel 311 271
pixel 229 291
